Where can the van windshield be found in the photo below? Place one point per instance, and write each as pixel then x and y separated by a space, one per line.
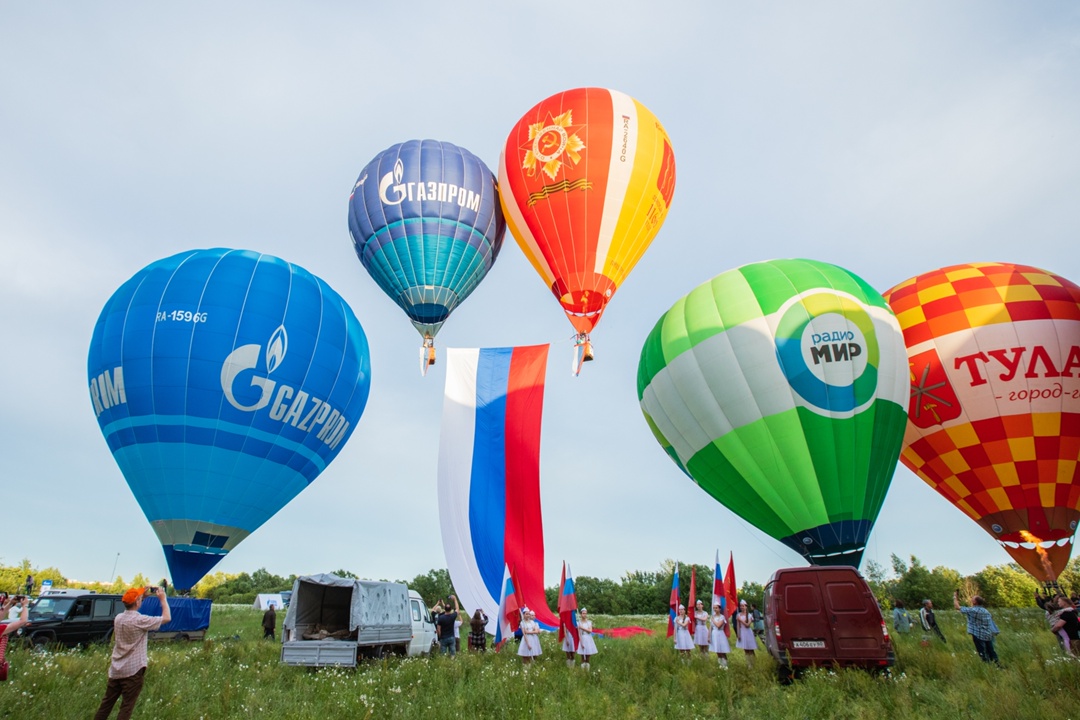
pixel 47 607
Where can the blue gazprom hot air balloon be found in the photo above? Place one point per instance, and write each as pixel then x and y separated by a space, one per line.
pixel 224 382
pixel 427 225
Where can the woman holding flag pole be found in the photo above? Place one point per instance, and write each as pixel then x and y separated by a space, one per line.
pixel 568 646
pixel 530 637
pixel 586 644
pixel 684 643
pixel 744 632
pixel 718 643
pixel 701 627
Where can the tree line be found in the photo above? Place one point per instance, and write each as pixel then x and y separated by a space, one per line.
pixel 638 592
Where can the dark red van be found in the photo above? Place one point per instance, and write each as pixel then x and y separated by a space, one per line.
pixel 824 616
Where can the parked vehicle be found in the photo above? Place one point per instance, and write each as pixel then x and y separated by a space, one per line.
pixel 190 618
pixel 824 616
pixel 71 618
pixel 334 621
pixel 423 627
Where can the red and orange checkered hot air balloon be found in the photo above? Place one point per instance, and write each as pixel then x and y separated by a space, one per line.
pixel 994 415
pixel 586 179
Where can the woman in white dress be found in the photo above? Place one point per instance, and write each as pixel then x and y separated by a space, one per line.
pixel 701 627
pixel 586 644
pixel 683 642
pixel 530 637
pixel 568 645
pixel 718 641
pixel 744 630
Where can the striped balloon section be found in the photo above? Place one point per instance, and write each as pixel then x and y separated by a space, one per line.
pixel 224 382
pixel 780 387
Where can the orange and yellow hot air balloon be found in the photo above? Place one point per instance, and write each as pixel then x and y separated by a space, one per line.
pixel 586 179
pixel 994 414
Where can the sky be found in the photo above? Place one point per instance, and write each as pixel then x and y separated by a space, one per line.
pixel 888 138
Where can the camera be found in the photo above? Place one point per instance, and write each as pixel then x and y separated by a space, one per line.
pixel 153 590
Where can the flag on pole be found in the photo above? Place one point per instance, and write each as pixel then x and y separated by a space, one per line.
pixel 730 591
pixel 510 605
pixel 673 603
pixel 718 593
pixel 691 606
pixel 567 606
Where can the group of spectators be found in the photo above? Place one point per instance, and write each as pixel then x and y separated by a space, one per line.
pixel 1061 616
pixel 448 621
pixel 709 633
pixel 902 620
pixel 127 665
pixel 980 624
pixel 448 624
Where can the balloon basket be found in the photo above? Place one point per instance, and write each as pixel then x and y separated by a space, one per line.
pixel 427 355
pixel 583 352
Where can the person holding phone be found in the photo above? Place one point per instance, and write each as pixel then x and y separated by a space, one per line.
pixel 128 666
pixel 980 626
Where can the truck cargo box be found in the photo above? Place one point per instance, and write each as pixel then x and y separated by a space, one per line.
pixel 332 620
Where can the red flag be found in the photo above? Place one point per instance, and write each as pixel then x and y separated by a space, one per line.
pixel 691 606
pixel 730 593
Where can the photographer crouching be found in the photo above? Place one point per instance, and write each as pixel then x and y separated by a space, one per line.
pixel 128 667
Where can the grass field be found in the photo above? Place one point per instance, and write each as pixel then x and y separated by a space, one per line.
pixel 235 674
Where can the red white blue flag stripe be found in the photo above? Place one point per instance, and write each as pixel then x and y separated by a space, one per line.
pixel 489 476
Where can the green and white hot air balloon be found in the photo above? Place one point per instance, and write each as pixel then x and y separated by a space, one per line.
pixel 781 388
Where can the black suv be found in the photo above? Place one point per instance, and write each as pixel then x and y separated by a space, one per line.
pixel 72 620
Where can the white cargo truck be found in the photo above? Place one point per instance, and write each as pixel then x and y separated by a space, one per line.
pixel 334 621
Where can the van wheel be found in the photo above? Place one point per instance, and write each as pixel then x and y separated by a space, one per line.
pixel 39 643
pixel 182 637
pixel 784 674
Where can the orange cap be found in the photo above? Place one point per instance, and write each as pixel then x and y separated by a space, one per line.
pixel 132 595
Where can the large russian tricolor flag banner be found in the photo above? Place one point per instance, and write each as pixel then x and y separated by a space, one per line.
pixel 489 476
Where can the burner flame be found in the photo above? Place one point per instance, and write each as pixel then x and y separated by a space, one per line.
pixel 1043 557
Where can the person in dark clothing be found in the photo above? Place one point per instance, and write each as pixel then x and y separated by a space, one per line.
pixel 929 622
pixel 444 626
pixel 269 622
pixel 478 631
pixel 1068 621
pixel 1041 600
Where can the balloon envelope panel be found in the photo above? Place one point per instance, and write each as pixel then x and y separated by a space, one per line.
pixel 426 224
pixel 779 387
pixel 587 177
pixel 224 382
pixel 994 412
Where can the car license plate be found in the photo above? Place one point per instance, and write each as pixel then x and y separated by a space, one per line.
pixel 808 644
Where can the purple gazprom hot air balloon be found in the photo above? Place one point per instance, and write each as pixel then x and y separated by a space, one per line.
pixel 426 223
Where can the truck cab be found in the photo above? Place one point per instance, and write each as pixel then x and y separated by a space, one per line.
pixel 824 616
pixel 423 628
